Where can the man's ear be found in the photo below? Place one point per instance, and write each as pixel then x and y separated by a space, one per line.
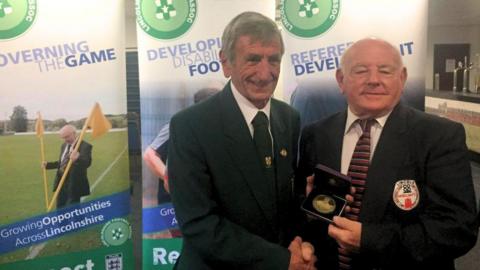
pixel 226 67
pixel 340 76
pixel 404 75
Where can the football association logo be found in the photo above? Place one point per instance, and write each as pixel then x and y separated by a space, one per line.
pixel 16 17
pixel 114 261
pixel 165 19
pixel 309 18
pixel 406 194
pixel 116 232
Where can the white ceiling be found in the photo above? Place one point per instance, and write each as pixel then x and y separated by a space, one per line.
pixel 440 12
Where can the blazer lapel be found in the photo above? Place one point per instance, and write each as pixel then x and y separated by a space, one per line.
pixel 334 142
pixel 281 145
pixel 388 157
pixel 242 150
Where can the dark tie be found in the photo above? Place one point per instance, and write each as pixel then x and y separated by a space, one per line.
pixel 357 170
pixel 263 143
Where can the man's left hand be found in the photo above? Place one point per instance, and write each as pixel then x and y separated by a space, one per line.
pixel 346 232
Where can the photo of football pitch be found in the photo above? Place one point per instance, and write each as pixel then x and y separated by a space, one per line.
pixel 22 195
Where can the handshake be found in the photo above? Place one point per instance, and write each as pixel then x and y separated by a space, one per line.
pixel 301 255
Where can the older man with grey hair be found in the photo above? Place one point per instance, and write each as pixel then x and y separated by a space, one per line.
pixel 76 182
pixel 232 158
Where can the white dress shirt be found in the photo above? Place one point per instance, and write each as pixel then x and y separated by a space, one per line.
pixel 249 110
pixel 353 131
pixel 68 149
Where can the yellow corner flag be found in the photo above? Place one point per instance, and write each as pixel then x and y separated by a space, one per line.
pixel 39 130
pixel 39 126
pixel 98 122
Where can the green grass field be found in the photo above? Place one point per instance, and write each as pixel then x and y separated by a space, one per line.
pixel 22 193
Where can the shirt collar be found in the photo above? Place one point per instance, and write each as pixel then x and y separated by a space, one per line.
pixel 246 107
pixel 351 118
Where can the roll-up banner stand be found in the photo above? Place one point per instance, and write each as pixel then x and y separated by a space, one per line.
pixel 178 47
pixel 62 67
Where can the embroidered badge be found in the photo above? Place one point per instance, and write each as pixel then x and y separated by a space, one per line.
pixel 406 195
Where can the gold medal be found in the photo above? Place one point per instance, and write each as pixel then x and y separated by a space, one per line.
pixel 324 204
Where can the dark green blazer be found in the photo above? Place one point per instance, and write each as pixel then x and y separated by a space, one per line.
pixel 231 217
pixel 413 145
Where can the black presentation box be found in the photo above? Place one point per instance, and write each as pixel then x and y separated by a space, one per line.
pixel 327 198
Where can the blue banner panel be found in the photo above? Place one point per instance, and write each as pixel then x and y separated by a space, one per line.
pixel 62 222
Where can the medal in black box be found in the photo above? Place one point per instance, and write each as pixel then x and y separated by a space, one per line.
pixel 327 199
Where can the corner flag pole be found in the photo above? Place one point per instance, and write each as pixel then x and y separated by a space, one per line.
pixel 39 130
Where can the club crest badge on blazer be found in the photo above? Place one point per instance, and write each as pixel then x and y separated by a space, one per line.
pixel 406 195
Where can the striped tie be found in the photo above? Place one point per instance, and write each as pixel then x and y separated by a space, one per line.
pixel 357 170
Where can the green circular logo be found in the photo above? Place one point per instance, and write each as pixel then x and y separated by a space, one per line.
pixel 16 17
pixel 309 18
pixel 116 232
pixel 165 19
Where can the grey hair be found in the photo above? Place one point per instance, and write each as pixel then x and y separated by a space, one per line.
pixel 252 24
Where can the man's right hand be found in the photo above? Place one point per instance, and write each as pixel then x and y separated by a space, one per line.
pixel 301 255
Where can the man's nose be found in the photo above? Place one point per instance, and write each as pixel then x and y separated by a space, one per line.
pixel 373 77
pixel 264 70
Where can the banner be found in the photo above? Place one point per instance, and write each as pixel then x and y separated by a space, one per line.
pixel 65 198
pixel 317 33
pixel 178 47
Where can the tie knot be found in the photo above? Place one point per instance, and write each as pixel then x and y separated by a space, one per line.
pixel 260 119
pixel 366 124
